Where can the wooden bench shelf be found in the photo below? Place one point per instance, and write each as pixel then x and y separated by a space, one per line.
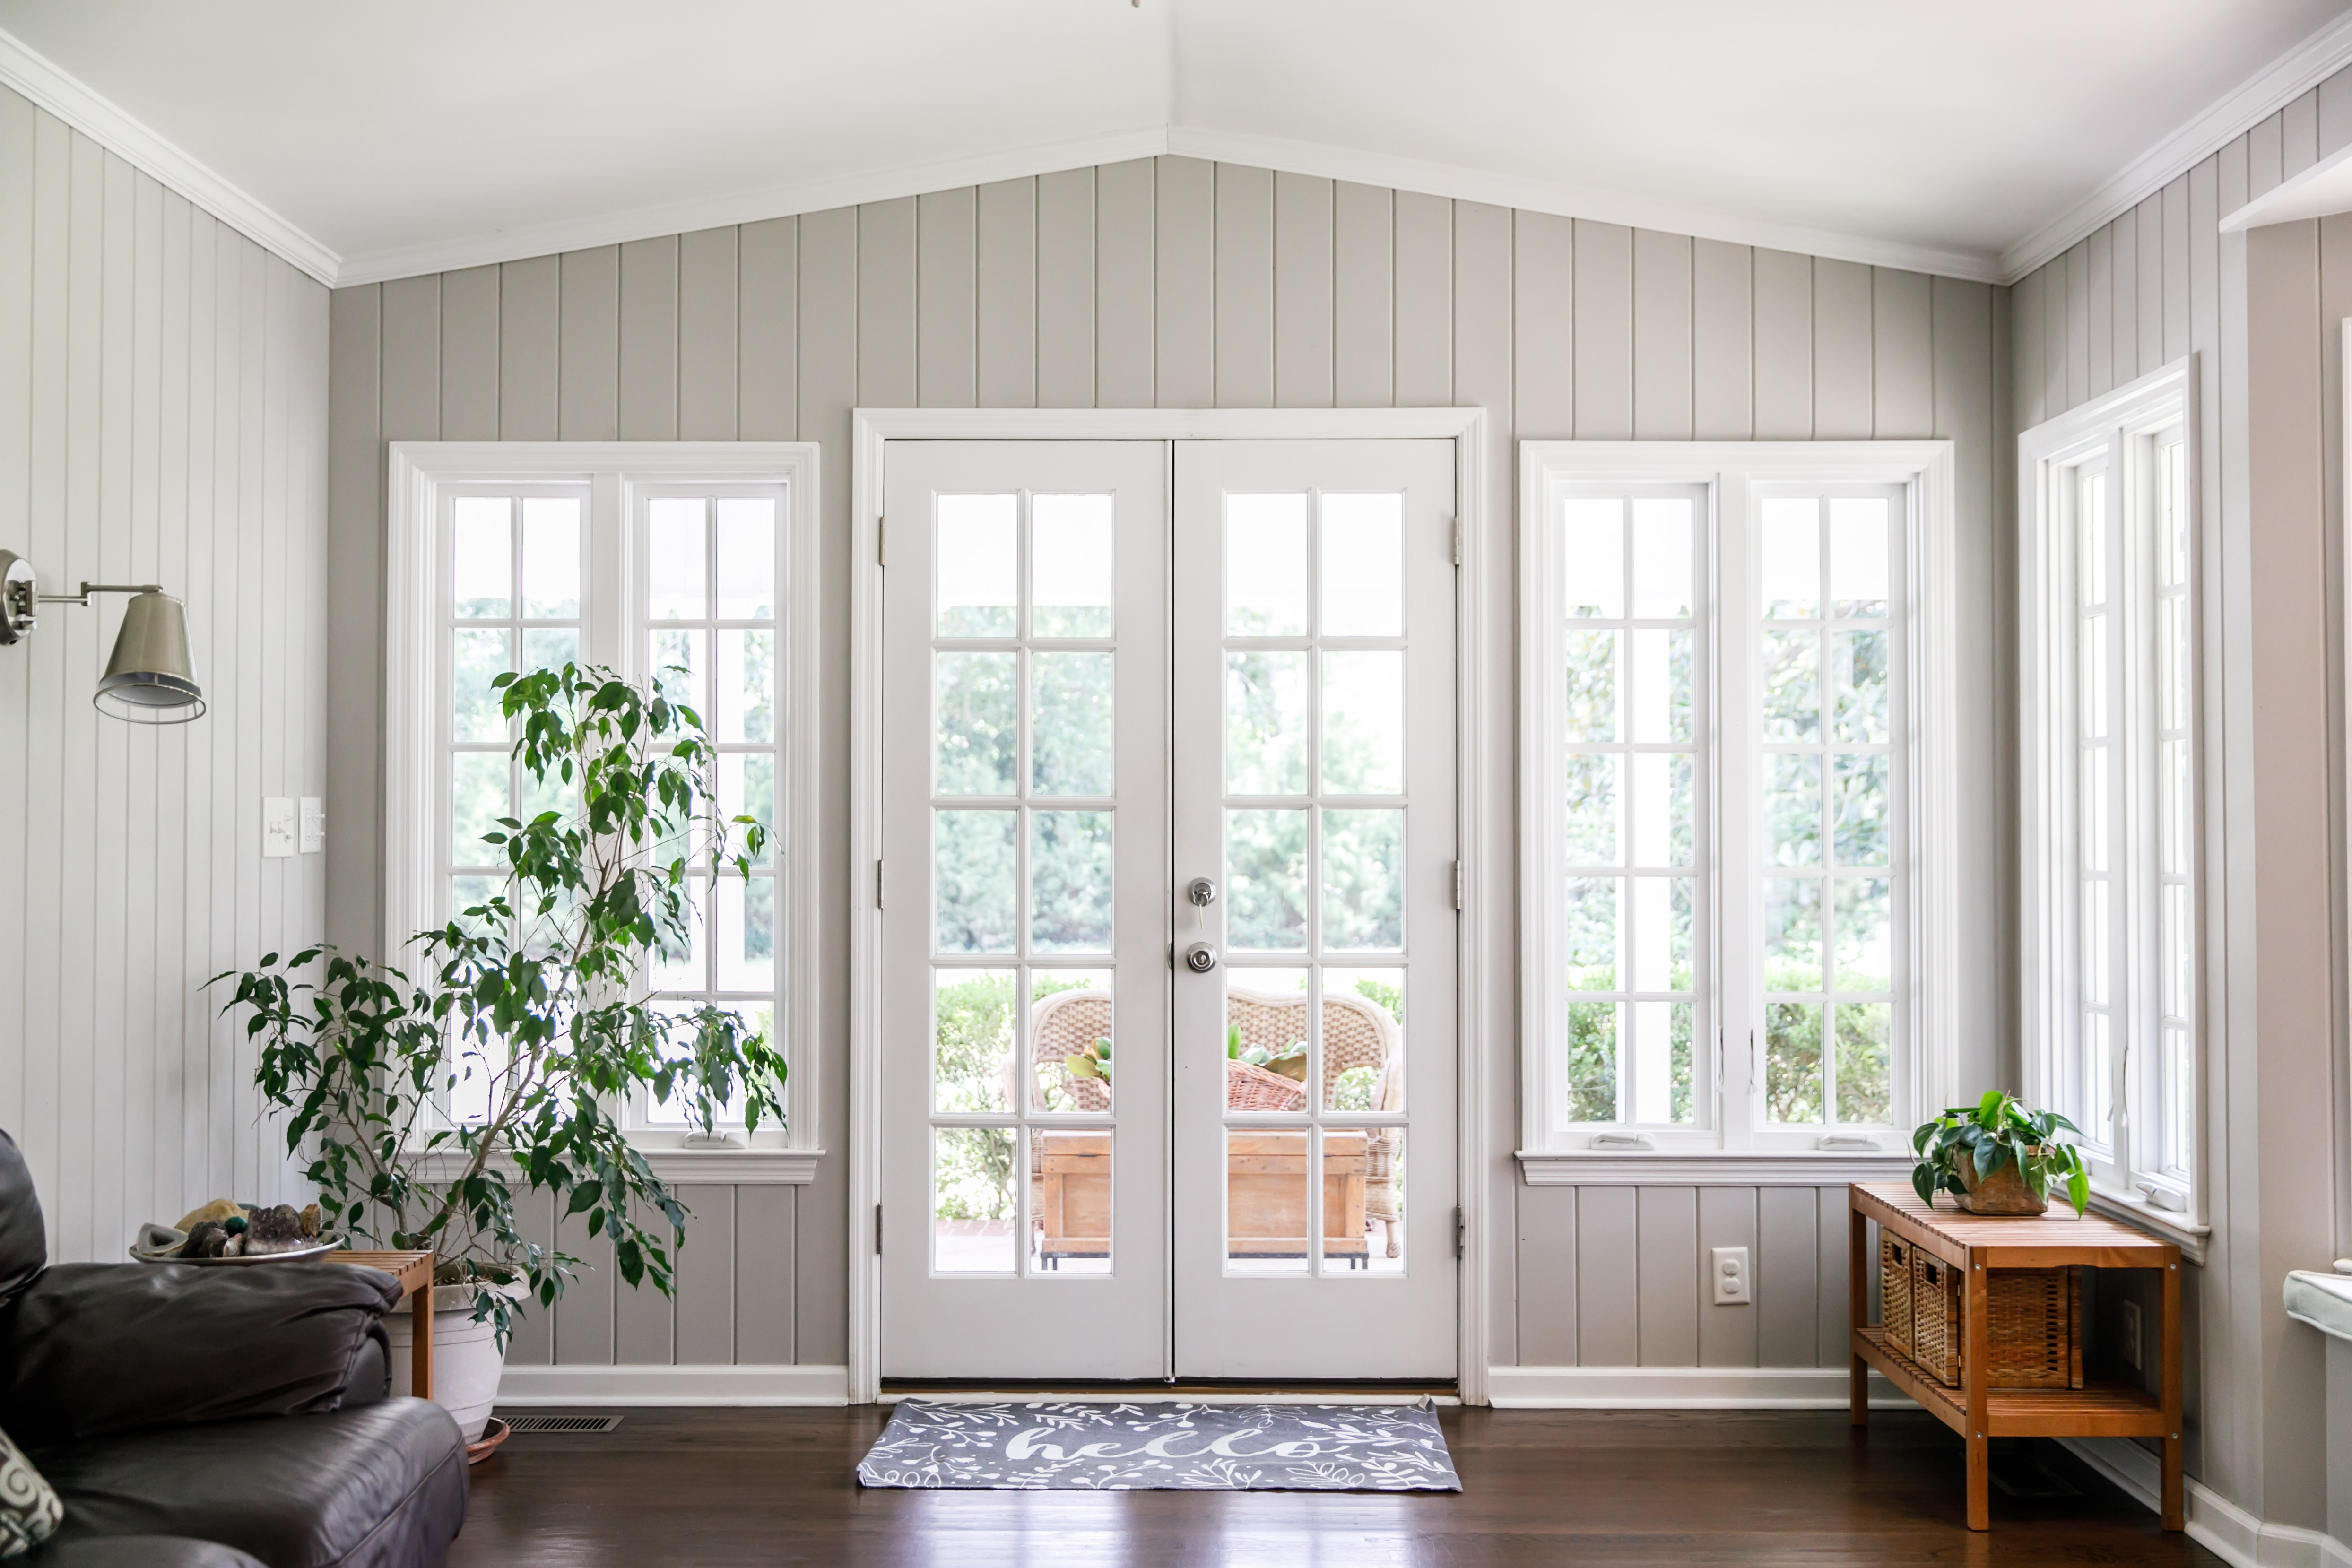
pixel 1975 1245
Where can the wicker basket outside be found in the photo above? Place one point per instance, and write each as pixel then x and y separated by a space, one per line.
pixel 2031 1324
pixel 1895 1291
pixel 1253 1088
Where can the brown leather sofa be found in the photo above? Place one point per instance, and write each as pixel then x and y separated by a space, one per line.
pixel 193 1417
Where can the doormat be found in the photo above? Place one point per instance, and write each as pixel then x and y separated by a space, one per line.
pixel 1153 1447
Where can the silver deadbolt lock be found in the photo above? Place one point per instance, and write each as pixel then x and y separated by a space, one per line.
pixel 1202 891
pixel 1200 958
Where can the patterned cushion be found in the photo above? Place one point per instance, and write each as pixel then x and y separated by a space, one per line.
pixel 29 1511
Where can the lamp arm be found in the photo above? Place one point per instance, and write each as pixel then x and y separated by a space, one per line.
pixel 88 589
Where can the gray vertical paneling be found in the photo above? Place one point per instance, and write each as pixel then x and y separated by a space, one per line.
pixel 1546 1300
pixel 584 1319
pixel 2176 270
pixel 1788 1277
pixel 1902 393
pixel 534 1343
pixel 706 1276
pixel 354 585
pixel 764 1252
pixel 1728 1335
pixel 947 300
pixel 2078 325
pixel 1784 346
pixel 1424 300
pixel 2335 114
pixel 1841 356
pixel 1005 288
pixel 2299 135
pixel 1543 323
pixel 1065 289
pixel 648 405
pixel 1131 333
pixel 17 119
pixel 1608 1297
pixel 531 311
pixel 2055 333
pixel 1302 291
pixel 1244 286
pixel 588 380
pixel 887 376
pixel 2123 268
pixel 1666 1259
pixel 1605 331
pixel 1662 335
pixel 1723 342
pixel 709 335
pixel 470 354
pixel 2098 308
pixel 2147 311
pixel 412 360
pixel 2025 363
pixel 767 313
pixel 1830 1314
pixel 645 1322
pixel 1363 296
pixel 1184 246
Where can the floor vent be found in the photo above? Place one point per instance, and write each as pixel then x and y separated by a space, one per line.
pixel 561 1423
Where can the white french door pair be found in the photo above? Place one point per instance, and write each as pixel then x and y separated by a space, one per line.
pixel 1168 930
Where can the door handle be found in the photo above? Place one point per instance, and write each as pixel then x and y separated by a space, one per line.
pixel 1200 958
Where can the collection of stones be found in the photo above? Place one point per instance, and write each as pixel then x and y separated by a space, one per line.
pixel 226 1229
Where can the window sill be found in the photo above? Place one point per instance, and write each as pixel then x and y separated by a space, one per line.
pixel 2161 1223
pixel 1710 1167
pixel 675 1165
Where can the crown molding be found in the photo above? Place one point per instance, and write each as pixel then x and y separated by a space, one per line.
pixel 147 149
pixel 2250 103
pixel 1561 200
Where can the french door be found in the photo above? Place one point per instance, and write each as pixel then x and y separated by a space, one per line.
pixel 1167 922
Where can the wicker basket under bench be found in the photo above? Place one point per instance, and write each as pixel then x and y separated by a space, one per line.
pixel 1983 1327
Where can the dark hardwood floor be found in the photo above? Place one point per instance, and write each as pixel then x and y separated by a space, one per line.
pixel 769 1487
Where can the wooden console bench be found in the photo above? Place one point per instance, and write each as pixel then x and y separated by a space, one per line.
pixel 1973 1245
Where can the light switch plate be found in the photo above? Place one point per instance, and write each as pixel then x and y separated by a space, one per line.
pixel 314 824
pixel 277 827
pixel 1731 1279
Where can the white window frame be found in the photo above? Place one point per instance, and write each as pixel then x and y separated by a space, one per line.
pixel 2117 431
pixel 618 476
pixel 1732 1142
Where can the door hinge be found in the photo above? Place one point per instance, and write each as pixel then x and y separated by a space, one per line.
pixel 1172 954
pixel 881 539
pixel 1458 1232
pixel 881 883
pixel 1457 884
pixel 1457 541
pixel 877 1230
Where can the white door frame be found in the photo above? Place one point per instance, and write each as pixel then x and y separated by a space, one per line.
pixel 871 429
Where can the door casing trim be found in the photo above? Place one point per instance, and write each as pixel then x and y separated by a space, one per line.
pixel 871 431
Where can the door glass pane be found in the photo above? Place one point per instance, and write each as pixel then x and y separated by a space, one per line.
pixel 747 558
pixel 978 565
pixel 1363 881
pixel 745 932
pixel 1363 566
pixel 479 657
pixel 1267 1040
pixel 1347 1171
pixel 1265 869
pixel 1792 563
pixel 482 552
pixel 1069 1201
pixel 478 782
pixel 1070 566
pixel 675 586
pixel 1070 728
pixel 1070 1039
pixel 1070 881
pixel 976 895
pixel 972 1212
pixel 1592 554
pixel 1363 723
pixel 551 557
pixel 1792 1061
pixel 1361 1066
pixel 1266 1206
pixel 1663 584
pixel 978 722
pixel 1265 566
pixel 747 686
pixel 1858 581
pixel 972 1042
pixel 1265 723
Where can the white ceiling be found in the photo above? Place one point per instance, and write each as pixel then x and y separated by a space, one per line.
pixel 402 137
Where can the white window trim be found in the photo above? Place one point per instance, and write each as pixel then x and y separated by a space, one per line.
pixel 1720 1153
pixel 2046 456
pixel 415 653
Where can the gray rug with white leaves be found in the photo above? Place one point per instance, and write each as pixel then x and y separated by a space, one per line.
pixel 1172 1446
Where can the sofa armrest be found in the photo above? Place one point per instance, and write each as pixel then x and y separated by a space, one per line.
pixel 89 1349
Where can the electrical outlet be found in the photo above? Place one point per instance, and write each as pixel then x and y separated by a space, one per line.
pixel 314 824
pixel 277 827
pixel 2130 1346
pixel 1731 1280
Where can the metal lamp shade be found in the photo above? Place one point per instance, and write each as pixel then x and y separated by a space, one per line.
pixel 150 679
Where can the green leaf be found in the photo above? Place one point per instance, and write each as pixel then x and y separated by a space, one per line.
pixel 1923 1182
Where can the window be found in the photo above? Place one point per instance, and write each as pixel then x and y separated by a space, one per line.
pixel 1734 872
pixel 2109 681
pixel 686 565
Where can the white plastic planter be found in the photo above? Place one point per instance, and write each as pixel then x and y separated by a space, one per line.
pixel 467 1360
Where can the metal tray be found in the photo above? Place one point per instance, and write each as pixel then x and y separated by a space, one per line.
pixel 320 1248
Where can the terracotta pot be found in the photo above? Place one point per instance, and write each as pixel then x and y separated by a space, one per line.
pixel 2005 1193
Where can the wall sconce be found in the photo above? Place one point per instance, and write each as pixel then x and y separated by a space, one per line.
pixel 150 678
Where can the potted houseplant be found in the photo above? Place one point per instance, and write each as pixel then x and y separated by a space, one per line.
pixel 531 1009
pixel 1997 1157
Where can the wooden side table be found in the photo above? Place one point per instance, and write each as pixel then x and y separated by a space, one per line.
pixel 1973 1245
pixel 414 1272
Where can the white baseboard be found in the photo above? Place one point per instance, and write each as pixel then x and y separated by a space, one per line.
pixel 2215 1522
pixel 531 1386
pixel 1681 1388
